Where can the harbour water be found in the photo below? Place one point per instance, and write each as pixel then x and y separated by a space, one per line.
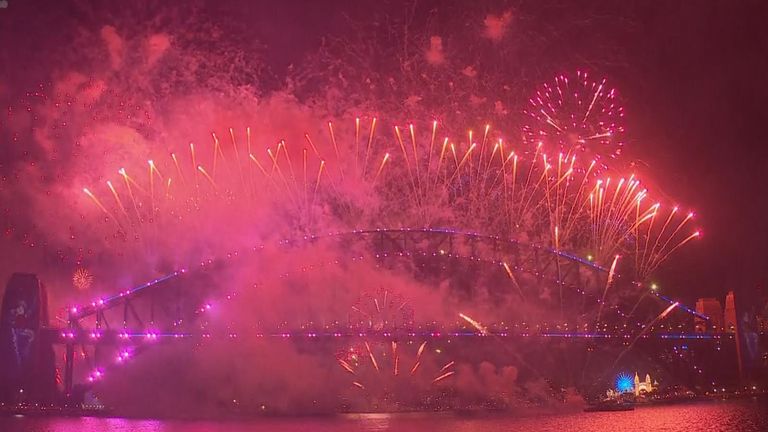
pixel 734 415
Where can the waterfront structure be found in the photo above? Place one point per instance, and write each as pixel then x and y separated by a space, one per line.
pixel 730 317
pixel 644 387
pixel 711 308
pixel 28 372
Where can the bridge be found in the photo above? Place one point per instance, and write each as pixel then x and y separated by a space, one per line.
pixel 110 330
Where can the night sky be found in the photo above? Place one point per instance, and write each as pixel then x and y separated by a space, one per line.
pixel 693 77
pixel 695 86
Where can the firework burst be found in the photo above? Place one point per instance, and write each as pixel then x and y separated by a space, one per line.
pixel 576 115
pixel 82 279
pixel 380 363
pixel 380 311
pixel 354 179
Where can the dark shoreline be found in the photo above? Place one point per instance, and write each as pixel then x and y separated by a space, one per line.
pixel 62 412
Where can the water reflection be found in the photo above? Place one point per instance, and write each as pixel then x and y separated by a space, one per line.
pixel 738 416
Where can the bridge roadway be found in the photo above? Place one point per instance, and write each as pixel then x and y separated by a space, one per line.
pixel 68 336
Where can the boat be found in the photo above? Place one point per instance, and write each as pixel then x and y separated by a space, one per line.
pixel 610 405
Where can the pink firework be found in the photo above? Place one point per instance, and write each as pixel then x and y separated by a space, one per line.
pixel 575 115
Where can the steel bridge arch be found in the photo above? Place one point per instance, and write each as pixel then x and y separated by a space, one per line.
pixel 544 263
pixel 157 308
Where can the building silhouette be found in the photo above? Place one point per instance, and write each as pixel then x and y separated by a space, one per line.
pixel 762 320
pixel 730 319
pixel 28 373
pixel 762 313
pixel 711 308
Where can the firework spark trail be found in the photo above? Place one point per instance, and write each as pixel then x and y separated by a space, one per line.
pixel 486 186
pixel 575 211
pixel 194 170
pixel 635 306
pixel 415 156
pixel 560 199
pixel 592 102
pixel 528 192
pixel 178 168
pixel 370 354
pixel 440 161
pixel 288 189
pixel 646 328
pixel 152 172
pixel 317 182
pixel 368 146
pixel 277 168
pixel 237 155
pixel 611 213
pixel 417 362
pixel 335 148
pixel 104 209
pixel 648 233
pixel 483 331
pixel 659 250
pixel 396 357
pixel 281 145
pixel 443 376
pixel 650 216
pixel 431 146
pixel 487 173
pixel 128 182
pixel 207 176
pixel 118 201
pixel 168 188
pixel 346 366
pixel 514 280
pixel 444 372
pixel 619 227
pixel 408 166
pixel 627 205
pixel 217 153
pixel 608 282
pixel 381 167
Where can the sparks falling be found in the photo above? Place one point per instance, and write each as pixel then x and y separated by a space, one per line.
pixel 476 183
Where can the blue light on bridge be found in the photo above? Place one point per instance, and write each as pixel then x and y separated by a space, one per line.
pixel 682 306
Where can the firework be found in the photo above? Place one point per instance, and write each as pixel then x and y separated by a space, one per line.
pixel 656 240
pixel 378 365
pixel 381 310
pixel 645 329
pixel 443 376
pixel 550 193
pixel 82 279
pixel 576 115
pixel 376 361
pixel 483 331
pixel 609 280
pixel 478 183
